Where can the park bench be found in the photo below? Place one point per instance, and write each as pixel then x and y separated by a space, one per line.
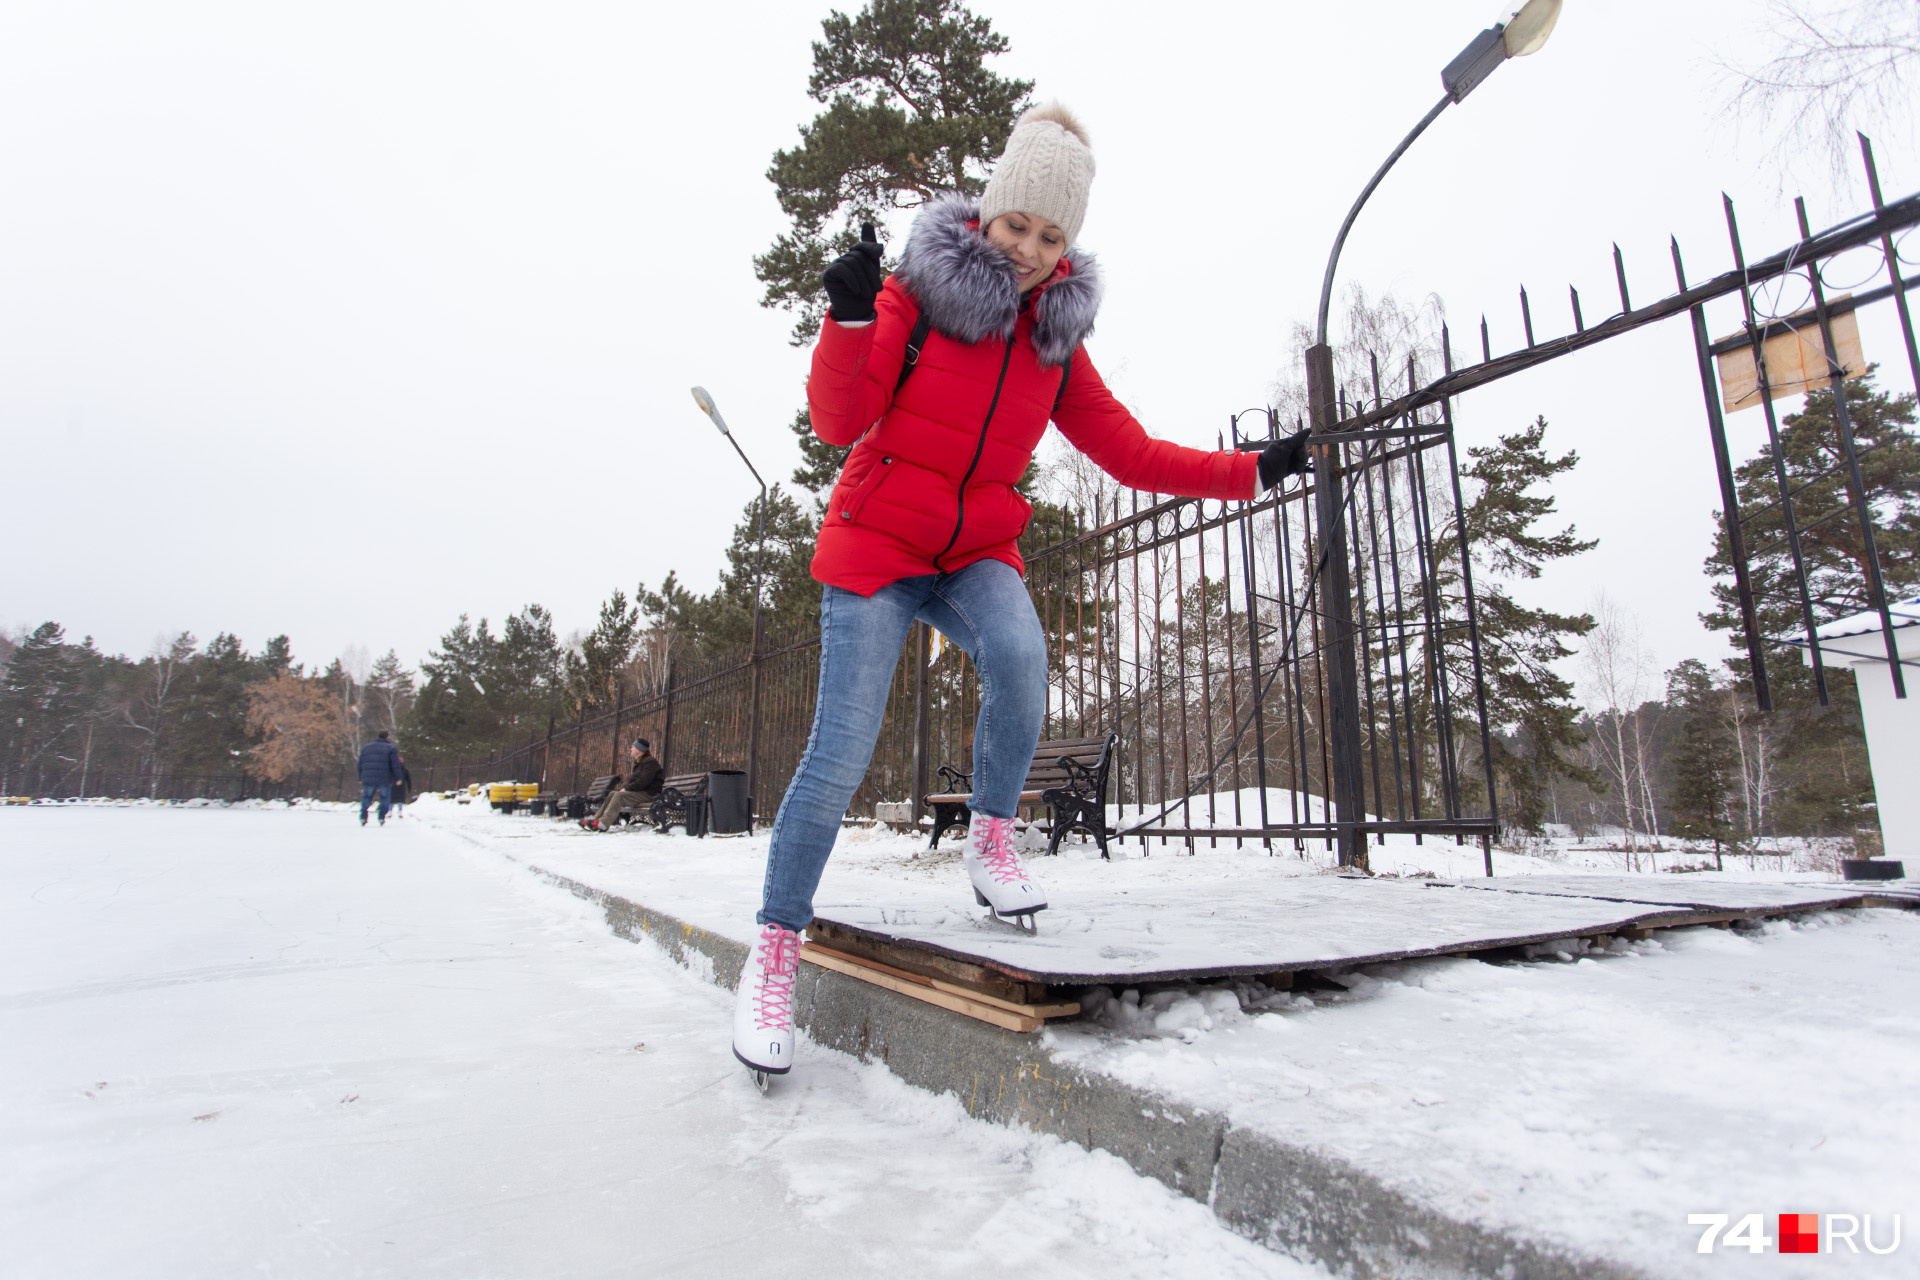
pixel 597 795
pixel 578 806
pixel 1068 776
pixel 682 802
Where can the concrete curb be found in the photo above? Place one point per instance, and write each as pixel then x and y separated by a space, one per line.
pixel 1293 1200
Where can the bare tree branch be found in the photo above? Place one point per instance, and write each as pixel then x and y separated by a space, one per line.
pixel 1838 66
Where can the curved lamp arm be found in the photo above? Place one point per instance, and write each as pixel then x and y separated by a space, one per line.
pixel 1339 241
pixel 1524 33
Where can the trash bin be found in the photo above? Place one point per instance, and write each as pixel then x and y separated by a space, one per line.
pixel 729 809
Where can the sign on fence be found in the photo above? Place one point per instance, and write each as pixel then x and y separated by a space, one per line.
pixel 1796 359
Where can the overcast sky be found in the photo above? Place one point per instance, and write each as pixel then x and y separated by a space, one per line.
pixel 341 320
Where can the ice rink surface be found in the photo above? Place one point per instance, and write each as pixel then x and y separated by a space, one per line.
pixel 270 1042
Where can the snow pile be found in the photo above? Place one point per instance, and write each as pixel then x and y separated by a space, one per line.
pixel 1592 1096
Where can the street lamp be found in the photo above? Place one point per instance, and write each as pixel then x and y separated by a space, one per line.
pixel 712 410
pixel 1524 32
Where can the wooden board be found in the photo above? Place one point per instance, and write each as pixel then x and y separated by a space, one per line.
pixel 1041 1009
pixel 1201 929
pixel 975 979
pixel 1796 361
pixel 1000 1013
pixel 1693 892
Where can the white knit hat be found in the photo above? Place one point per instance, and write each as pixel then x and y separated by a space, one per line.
pixel 1045 171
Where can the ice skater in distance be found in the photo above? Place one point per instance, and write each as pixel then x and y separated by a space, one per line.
pixel 380 768
pixel 987 311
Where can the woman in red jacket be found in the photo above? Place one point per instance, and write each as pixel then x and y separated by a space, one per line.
pixel 989 307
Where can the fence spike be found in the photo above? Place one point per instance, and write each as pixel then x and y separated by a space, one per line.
pixel 1486 346
pixel 1620 274
pixel 1579 326
pixel 1526 316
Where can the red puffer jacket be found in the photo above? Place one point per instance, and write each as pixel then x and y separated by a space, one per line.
pixel 928 488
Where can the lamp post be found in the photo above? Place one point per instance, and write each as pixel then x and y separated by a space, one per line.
pixel 1523 33
pixel 712 410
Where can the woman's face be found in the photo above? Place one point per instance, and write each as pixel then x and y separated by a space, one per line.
pixel 1034 245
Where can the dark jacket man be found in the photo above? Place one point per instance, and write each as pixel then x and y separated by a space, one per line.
pixel 644 776
pixel 379 763
pixel 636 795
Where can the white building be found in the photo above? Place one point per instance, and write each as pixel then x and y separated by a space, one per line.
pixel 1893 724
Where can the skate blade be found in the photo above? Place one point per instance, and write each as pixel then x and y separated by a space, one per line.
pixel 762 1076
pixel 1025 921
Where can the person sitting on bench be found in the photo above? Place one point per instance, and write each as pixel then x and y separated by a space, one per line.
pixel 641 786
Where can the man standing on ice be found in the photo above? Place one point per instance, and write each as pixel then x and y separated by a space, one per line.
pixel 380 768
pixel 987 312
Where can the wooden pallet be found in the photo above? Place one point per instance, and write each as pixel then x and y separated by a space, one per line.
pixel 1013 1015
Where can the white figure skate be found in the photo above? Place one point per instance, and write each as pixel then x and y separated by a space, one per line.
pixel 763 1005
pixel 1000 879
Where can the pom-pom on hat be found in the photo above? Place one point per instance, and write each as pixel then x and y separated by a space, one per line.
pixel 1046 171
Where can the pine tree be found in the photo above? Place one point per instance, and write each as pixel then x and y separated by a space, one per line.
pixel 277 657
pixel 1824 784
pixel 593 673
pixel 453 715
pixel 704 629
pixel 1700 803
pixel 911 110
pixel 1530 705
pixel 1834 551
pixel 526 669
pixel 212 735
pixel 43 698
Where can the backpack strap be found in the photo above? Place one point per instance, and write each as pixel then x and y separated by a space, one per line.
pixel 916 340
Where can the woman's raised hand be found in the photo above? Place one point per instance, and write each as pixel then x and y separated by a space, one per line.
pixel 853 279
pixel 1283 458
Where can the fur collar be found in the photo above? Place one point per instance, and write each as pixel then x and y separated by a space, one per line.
pixel 967 289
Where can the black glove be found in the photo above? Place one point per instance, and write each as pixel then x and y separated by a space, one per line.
pixel 1283 458
pixel 853 280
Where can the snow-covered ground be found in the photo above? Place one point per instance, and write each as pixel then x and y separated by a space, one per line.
pixel 267 1041
pixel 1591 1099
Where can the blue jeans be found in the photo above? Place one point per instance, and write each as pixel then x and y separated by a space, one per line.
pixel 366 798
pixel 985 609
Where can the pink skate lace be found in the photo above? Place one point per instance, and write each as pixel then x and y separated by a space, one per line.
pixel 779 966
pixel 996 851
